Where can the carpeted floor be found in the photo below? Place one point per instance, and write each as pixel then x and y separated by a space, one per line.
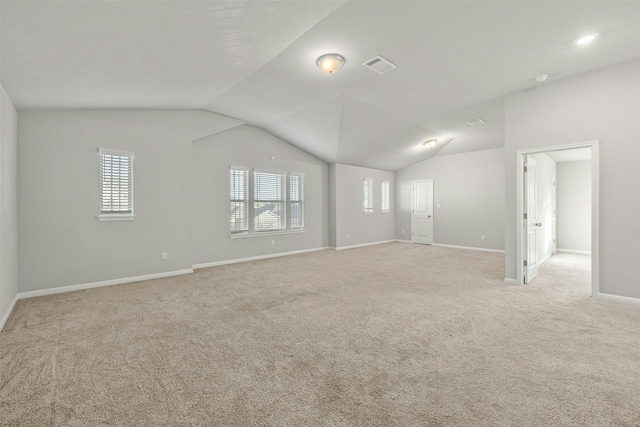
pixel 388 335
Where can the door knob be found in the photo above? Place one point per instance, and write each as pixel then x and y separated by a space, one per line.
pixel 538 224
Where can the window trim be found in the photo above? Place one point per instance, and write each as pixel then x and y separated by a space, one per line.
pixel 251 232
pixel 385 195
pixel 115 216
pixel 368 210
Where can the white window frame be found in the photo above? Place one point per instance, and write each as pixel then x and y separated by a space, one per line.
pixel 284 177
pixel 300 200
pixel 245 200
pixel 113 215
pixel 251 232
pixel 367 200
pixel 384 196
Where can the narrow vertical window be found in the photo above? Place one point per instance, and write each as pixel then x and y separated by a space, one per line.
pixel 296 188
pixel 368 195
pixel 116 184
pixel 385 196
pixel 269 204
pixel 239 219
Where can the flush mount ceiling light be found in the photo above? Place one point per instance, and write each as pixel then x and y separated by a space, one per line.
pixel 330 62
pixel 430 143
pixel 541 78
pixel 584 40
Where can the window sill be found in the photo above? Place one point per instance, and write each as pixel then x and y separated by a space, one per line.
pixel 116 217
pixel 264 233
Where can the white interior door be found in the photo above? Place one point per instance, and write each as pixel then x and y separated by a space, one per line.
pixel 531 223
pixel 422 212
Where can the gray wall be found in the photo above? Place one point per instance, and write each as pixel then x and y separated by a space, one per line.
pixel 470 190
pixel 350 217
pixel 546 166
pixel 61 242
pixel 574 206
pixel 8 203
pixel 253 148
pixel 601 105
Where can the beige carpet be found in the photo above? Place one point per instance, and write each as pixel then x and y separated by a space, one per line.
pixel 389 335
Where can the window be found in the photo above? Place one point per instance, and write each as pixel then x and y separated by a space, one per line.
pixel 239 179
pixel 368 196
pixel 116 184
pixel 385 196
pixel 269 203
pixel 274 199
pixel 297 200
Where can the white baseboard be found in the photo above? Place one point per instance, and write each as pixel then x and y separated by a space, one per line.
pixel 404 241
pixel 469 248
pixel 6 316
pixel 71 288
pixel 364 244
pixel 255 258
pixel 574 251
pixel 511 281
pixel 618 298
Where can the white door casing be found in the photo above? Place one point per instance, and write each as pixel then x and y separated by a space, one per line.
pixel 553 191
pixel 530 220
pixel 422 212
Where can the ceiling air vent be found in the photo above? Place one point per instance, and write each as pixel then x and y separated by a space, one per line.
pixel 379 65
pixel 476 122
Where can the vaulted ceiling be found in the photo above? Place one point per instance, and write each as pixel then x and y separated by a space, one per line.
pixel 255 61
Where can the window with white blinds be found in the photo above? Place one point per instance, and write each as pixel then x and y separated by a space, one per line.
pixel 239 179
pixel 368 195
pixel 296 190
pixel 116 182
pixel 385 196
pixel 269 203
pixel 265 201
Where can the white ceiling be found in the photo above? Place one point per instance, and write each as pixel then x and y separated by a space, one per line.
pixel 571 155
pixel 255 61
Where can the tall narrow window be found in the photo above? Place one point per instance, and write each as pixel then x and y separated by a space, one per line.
pixel 239 179
pixel 385 196
pixel 368 195
pixel 269 204
pixel 116 184
pixel 296 189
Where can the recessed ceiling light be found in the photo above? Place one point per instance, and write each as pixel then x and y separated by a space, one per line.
pixel 584 40
pixel 330 62
pixel 430 143
pixel 541 78
pixel 476 122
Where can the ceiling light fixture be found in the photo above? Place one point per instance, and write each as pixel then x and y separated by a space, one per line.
pixel 541 78
pixel 330 62
pixel 584 40
pixel 430 143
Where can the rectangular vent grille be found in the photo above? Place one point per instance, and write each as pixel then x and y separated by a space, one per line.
pixel 476 122
pixel 379 65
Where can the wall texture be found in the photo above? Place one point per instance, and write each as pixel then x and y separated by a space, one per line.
pixel 574 206
pixel 601 105
pixel 350 217
pixel 469 188
pixel 61 242
pixel 8 203
pixel 253 148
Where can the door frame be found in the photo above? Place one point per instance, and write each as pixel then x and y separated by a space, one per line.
pixel 595 208
pixel 413 182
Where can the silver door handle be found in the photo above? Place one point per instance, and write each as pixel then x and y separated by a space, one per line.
pixel 538 224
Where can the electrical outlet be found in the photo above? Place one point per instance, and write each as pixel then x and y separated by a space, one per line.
pixel 482 237
pixel 438 205
pixel 348 235
pixel 403 231
pixel 273 242
pixel 164 255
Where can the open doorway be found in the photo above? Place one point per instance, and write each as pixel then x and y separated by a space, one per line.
pixel 557 195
